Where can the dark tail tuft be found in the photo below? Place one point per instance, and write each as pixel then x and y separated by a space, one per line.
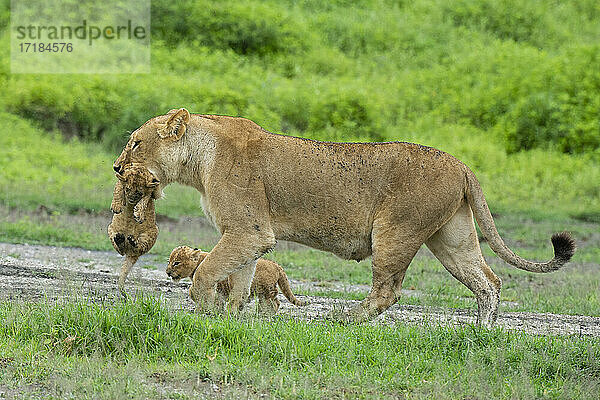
pixel 564 246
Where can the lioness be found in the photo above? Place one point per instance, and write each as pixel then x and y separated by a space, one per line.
pixel 184 261
pixel 352 199
pixel 132 237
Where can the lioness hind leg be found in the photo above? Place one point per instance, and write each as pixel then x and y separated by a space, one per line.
pixel 393 250
pixel 456 246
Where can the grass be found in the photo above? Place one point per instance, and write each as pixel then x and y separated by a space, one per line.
pixel 286 358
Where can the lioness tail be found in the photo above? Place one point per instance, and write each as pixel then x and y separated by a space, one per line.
pixel 564 245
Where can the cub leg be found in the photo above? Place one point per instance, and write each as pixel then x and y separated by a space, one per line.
pixel 118 200
pixel 128 263
pixel 145 241
pixel 456 245
pixel 268 303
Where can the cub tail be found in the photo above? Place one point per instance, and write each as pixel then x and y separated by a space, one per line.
pixel 284 285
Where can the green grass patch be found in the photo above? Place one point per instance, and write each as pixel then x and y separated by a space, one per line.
pixel 26 231
pixel 290 359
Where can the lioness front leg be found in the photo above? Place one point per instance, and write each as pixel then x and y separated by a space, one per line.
pixel 240 282
pixel 233 252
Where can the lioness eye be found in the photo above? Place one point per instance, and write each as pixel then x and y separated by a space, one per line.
pixel 135 144
pixel 176 263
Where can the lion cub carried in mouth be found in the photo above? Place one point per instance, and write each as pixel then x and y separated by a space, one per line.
pixel 184 261
pixel 133 230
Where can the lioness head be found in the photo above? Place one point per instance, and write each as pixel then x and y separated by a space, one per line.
pixel 155 143
pixel 138 182
pixel 183 262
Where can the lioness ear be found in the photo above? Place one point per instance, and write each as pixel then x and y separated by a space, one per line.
pixel 176 125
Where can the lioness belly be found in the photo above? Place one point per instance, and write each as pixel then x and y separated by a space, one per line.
pixel 325 219
pixel 349 244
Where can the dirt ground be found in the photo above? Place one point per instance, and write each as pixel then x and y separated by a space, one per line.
pixel 37 273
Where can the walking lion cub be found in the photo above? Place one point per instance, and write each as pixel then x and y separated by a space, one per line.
pixel 133 230
pixel 184 261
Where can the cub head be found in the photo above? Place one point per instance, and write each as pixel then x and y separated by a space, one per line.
pixel 183 262
pixel 155 143
pixel 138 182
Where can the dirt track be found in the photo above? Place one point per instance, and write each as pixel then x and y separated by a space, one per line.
pixel 33 273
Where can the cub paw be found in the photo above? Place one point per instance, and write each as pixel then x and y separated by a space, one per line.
pixel 116 207
pixel 119 243
pixel 131 241
pixel 119 239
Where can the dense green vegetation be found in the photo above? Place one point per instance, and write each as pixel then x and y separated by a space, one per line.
pixel 509 88
pixel 285 358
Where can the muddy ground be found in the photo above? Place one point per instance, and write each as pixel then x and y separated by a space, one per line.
pixel 44 273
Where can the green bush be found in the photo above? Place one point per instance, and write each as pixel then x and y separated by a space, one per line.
pixel 469 78
pixel 534 122
pixel 344 115
pixel 519 20
pixel 567 115
pixel 245 27
pixel 4 13
pixel 91 108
